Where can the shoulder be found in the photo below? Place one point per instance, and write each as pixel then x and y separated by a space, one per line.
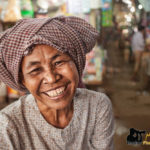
pixel 97 107
pixel 11 123
pixel 13 107
pixel 92 95
pixel 12 114
pixel 94 99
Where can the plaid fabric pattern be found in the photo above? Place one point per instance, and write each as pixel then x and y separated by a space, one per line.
pixel 70 35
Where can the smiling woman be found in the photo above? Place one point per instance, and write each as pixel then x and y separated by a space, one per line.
pixel 46 57
pixel 52 78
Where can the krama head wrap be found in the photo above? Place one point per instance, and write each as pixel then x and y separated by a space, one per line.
pixel 70 35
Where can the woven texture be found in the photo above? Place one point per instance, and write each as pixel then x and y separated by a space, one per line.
pixel 22 126
pixel 70 35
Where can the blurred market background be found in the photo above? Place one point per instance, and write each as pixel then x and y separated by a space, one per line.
pixel 110 64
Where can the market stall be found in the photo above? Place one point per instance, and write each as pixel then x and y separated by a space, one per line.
pixel 14 10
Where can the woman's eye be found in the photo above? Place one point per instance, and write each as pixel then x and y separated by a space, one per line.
pixel 58 63
pixel 35 70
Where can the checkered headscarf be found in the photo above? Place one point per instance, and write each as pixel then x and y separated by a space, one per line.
pixel 70 35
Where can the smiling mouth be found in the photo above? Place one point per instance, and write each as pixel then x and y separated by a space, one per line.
pixel 55 93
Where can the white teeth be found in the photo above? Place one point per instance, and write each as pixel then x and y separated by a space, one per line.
pixel 56 92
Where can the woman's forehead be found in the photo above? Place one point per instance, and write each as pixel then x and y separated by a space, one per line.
pixel 45 52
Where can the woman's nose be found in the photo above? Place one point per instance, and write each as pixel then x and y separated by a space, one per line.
pixel 50 77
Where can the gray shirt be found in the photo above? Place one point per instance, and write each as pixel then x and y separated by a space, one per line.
pixel 22 127
pixel 138 42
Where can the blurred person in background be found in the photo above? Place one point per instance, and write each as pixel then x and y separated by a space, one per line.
pixel 144 85
pixel 46 57
pixel 138 46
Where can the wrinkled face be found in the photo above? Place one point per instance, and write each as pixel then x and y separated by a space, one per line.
pixel 50 76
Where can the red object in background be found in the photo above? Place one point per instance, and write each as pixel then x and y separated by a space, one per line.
pixel 12 94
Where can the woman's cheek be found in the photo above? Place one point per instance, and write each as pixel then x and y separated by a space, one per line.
pixel 32 83
pixel 73 69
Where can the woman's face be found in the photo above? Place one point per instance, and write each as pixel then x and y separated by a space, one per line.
pixel 50 76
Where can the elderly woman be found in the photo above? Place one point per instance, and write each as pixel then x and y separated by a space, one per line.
pixel 46 57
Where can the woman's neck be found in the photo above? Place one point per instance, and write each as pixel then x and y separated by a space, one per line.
pixel 57 118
